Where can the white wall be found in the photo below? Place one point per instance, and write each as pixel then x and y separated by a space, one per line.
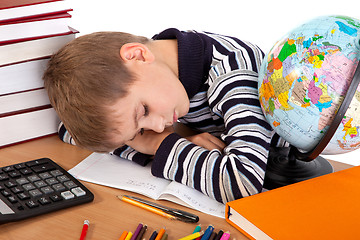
pixel 261 22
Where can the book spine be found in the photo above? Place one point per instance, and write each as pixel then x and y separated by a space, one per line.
pixel 22 111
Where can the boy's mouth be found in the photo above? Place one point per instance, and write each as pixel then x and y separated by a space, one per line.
pixel 175 118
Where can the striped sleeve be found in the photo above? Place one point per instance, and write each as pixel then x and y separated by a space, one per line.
pixel 64 135
pixel 125 152
pixel 239 170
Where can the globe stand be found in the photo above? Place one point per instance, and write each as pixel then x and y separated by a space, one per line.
pixel 283 168
pixel 289 165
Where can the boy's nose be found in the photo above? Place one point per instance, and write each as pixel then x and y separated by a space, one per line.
pixel 156 123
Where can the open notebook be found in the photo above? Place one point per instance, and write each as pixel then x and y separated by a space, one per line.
pixel 112 171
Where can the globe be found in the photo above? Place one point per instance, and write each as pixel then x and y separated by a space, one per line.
pixel 304 79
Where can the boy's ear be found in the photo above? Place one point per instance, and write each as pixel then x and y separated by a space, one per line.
pixel 136 51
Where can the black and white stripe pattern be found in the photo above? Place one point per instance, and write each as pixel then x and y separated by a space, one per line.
pixel 228 107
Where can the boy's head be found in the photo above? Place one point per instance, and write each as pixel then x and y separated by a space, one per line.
pixel 84 79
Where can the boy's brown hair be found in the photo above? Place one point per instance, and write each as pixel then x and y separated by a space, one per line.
pixel 83 80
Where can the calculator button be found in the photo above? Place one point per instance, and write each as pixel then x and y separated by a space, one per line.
pixel 45 175
pixel 12 199
pixel 10 184
pixel 47 190
pixel 34 178
pixel 17 190
pixel 51 181
pixel 56 198
pixel 8 169
pixel 28 186
pixel 14 174
pixel 35 162
pixel 58 187
pixel 67 195
pixel 43 168
pixel 23 196
pixel 25 171
pixel 44 200
pixel 35 193
pixel 5 193
pixel 3 177
pixel 78 191
pixel 19 166
pixel 70 184
pixel 40 184
pixel 31 204
pixel 22 181
pixel 56 173
pixel 63 178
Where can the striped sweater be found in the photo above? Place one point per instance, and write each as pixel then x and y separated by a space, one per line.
pixel 220 75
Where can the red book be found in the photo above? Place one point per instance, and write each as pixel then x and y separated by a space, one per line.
pixel 17 102
pixel 33 48
pixel 28 124
pixel 34 27
pixel 12 10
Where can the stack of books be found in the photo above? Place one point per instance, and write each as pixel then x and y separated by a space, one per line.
pixel 30 32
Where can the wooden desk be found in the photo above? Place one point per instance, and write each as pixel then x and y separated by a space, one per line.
pixel 108 216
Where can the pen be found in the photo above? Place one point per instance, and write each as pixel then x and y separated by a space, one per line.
pixel 146 207
pixel 84 229
pixel 179 214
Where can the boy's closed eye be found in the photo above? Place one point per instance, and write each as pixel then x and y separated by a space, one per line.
pixel 145 112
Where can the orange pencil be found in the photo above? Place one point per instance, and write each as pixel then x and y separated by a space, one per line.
pixel 160 234
pixel 123 235
pixel 146 207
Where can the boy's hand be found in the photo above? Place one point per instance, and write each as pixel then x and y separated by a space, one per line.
pixel 208 141
pixel 149 141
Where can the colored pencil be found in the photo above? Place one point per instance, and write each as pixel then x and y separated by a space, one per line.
pixel 146 207
pixel 219 234
pixel 128 236
pixel 123 235
pixel 192 236
pixel 153 235
pixel 136 232
pixel 142 232
pixel 207 232
pixel 225 236
pixel 160 234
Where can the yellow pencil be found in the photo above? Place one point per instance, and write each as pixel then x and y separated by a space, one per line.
pixel 128 236
pixel 146 207
pixel 192 236
pixel 123 235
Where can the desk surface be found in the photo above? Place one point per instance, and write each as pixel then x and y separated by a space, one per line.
pixel 108 216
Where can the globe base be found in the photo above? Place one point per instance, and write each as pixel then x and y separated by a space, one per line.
pixel 283 169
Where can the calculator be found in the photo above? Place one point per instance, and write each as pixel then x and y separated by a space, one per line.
pixel 37 187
